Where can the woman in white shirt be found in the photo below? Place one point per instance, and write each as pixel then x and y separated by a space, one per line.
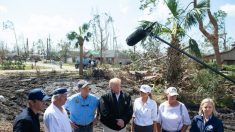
pixel 172 115
pixel 145 112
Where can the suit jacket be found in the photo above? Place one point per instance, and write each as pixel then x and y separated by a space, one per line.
pixel 111 109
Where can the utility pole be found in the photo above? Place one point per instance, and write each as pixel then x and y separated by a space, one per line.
pixel 47 49
pixel 49 45
pixel 27 48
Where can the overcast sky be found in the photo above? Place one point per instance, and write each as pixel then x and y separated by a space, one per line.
pixel 36 19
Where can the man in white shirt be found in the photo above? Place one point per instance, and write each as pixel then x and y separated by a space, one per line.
pixel 55 117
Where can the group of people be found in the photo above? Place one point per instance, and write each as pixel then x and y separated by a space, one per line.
pixel 81 111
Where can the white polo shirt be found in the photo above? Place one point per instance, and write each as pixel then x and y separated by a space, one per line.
pixel 144 114
pixel 55 120
pixel 173 118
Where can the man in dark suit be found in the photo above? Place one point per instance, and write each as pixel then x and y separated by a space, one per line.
pixel 115 108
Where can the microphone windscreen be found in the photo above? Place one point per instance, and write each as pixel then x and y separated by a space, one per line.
pixel 136 36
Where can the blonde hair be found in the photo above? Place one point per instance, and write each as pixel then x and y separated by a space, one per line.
pixel 207 100
pixel 114 81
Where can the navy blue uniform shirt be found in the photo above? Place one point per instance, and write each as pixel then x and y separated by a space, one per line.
pixel 27 121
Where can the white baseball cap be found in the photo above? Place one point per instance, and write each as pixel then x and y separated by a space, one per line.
pixel 145 88
pixel 172 91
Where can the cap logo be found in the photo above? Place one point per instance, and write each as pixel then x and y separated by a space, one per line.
pixel 43 92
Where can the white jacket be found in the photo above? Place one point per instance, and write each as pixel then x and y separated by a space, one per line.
pixel 55 120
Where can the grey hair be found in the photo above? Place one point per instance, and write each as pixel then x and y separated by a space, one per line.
pixel 55 97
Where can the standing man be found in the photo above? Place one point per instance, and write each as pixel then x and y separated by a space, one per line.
pixel 28 120
pixel 55 117
pixel 82 108
pixel 115 108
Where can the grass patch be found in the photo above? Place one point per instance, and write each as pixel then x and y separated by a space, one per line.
pixel 26 67
pixel 29 67
pixel 232 75
pixel 68 64
pixel 229 68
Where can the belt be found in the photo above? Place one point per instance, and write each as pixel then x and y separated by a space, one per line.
pixel 143 126
pixel 90 124
pixel 169 131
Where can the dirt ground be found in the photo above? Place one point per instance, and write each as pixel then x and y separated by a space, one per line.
pixel 14 88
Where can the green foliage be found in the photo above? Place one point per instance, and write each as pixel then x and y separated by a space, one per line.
pixel 194 49
pixel 54 55
pixel 212 64
pixel 197 13
pixel 72 35
pixel 229 68
pixel 226 101
pixel 220 17
pixel 148 4
pixel 12 65
pixel 173 6
pixel 232 75
pixel 84 34
pixel 89 72
pixel 207 83
pixel 151 46
pixel 133 56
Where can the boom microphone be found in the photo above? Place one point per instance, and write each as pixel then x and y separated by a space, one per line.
pixel 138 35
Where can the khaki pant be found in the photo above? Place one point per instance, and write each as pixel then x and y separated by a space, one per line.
pixel 106 129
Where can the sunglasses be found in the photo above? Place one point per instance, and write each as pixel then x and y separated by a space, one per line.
pixel 85 105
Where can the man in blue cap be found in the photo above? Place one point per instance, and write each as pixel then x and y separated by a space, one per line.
pixel 82 107
pixel 28 119
pixel 55 117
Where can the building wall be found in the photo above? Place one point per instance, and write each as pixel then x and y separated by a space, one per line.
pixel 70 60
pixel 228 56
pixel 229 62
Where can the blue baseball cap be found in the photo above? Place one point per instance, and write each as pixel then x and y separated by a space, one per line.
pixel 82 84
pixel 60 91
pixel 37 94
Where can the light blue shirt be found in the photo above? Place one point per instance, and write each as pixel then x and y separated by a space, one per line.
pixel 82 111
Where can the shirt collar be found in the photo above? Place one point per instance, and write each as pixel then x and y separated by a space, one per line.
pixel 147 102
pixel 57 109
pixel 116 94
pixel 209 117
pixel 80 96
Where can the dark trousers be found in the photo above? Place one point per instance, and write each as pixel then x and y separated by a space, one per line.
pixel 143 128
pixel 87 128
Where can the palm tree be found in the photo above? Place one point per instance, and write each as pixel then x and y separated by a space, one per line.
pixel 175 29
pixel 79 39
